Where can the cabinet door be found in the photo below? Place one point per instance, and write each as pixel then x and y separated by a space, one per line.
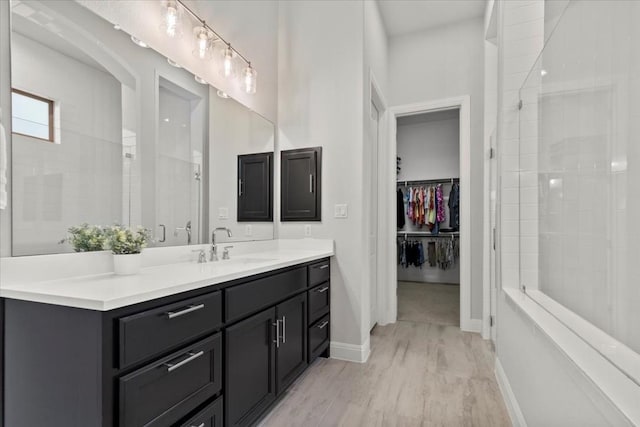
pixel 250 385
pixel 301 189
pixel 291 353
pixel 255 187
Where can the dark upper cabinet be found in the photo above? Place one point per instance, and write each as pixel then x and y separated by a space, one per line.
pixel 250 385
pixel 291 354
pixel 301 184
pixel 255 187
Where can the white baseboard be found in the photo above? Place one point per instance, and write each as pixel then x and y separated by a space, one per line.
pixel 350 352
pixel 472 325
pixel 516 415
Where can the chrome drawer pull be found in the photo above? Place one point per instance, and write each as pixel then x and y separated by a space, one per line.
pixel 192 356
pixel 323 324
pixel 284 330
pixel 322 267
pixel 320 291
pixel 190 309
pixel 277 340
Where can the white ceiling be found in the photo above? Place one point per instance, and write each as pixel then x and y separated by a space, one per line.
pixel 408 16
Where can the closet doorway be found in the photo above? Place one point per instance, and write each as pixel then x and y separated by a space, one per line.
pixel 428 215
pixel 429 280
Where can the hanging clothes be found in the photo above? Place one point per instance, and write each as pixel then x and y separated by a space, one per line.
pixel 454 207
pixel 400 210
pixel 440 214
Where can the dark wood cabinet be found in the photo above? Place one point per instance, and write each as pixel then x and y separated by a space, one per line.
pixel 291 353
pixel 250 385
pixel 301 187
pixel 255 187
pixel 210 416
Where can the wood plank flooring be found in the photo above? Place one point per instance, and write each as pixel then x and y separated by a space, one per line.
pixel 420 373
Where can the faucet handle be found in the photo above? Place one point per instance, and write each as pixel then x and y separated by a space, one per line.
pixel 202 256
pixel 225 254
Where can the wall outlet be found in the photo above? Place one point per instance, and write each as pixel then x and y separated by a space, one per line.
pixel 223 213
pixel 248 230
pixel 307 230
pixel 340 211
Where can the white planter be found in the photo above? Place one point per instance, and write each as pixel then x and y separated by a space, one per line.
pixel 127 264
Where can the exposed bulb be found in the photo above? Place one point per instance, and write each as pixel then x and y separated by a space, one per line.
pixel 171 20
pixel 227 61
pixel 250 79
pixel 203 40
pixel 200 80
pixel 139 42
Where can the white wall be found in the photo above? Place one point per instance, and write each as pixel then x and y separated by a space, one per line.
pixel 5 118
pixel 320 103
pixel 548 387
pixel 442 63
pixel 234 130
pixel 429 146
pixel 81 169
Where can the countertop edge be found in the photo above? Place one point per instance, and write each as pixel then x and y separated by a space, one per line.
pixel 107 305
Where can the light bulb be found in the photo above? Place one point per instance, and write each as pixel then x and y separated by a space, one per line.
pixel 223 94
pixel 250 79
pixel 171 22
pixel 227 61
pixel 200 80
pixel 203 41
pixel 139 42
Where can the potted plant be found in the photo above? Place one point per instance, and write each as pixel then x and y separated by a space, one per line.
pixel 86 238
pixel 126 245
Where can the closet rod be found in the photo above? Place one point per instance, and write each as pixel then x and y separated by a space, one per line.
pixel 406 234
pixel 428 181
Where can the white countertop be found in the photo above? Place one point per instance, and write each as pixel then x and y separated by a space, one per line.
pixel 107 291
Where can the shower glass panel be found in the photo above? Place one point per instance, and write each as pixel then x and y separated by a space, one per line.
pixel 580 176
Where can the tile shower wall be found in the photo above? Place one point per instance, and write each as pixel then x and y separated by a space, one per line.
pixel 83 168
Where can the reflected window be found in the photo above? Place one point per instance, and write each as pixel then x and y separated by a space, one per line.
pixel 32 115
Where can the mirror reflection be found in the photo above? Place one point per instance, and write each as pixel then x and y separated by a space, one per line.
pixel 105 131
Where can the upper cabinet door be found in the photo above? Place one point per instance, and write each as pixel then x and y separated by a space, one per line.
pixel 301 184
pixel 255 187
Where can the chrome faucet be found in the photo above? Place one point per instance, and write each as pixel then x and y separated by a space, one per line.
pixel 186 228
pixel 213 254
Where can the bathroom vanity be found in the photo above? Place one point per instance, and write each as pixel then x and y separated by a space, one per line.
pixel 217 347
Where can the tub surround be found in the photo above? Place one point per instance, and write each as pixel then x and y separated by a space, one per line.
pixel 87 280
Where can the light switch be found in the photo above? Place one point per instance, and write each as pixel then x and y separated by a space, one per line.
pixel 341 211
pixel 248 230
pixel 223 213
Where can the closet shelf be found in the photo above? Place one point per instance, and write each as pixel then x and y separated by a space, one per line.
pixel 427 234
pixel 428 181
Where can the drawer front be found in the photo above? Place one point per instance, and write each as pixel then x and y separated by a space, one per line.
pixel 319 300
pixel 319 272
pixel 165 391
pixel 146 334
pixel 318 337
pixel 242 300
pixel 210 416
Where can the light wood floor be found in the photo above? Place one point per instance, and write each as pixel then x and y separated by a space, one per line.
pixel 429 303
pixel 419 373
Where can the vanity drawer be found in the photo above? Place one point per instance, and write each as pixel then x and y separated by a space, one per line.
pixel 242 300
pixel 163 392
pixel 319 300
pixel 318 337
pixel 145 334
pixel 319 272
pixel 210 416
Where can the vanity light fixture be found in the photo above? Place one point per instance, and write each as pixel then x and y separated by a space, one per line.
pixel 203 43
pixel 204 39
pixel 250 76
pixel 139 42
pixel 227 61
pixel 173 63
pixel 171 19
pixel 200 80
pixel 223 94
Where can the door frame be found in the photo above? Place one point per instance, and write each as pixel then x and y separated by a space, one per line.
pixel 389 267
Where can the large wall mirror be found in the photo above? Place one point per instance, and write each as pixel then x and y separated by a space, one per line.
pixel 105 131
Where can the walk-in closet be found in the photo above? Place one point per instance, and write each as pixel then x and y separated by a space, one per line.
pixel 428 215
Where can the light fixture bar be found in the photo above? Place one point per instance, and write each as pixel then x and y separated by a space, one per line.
pixel 204 24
